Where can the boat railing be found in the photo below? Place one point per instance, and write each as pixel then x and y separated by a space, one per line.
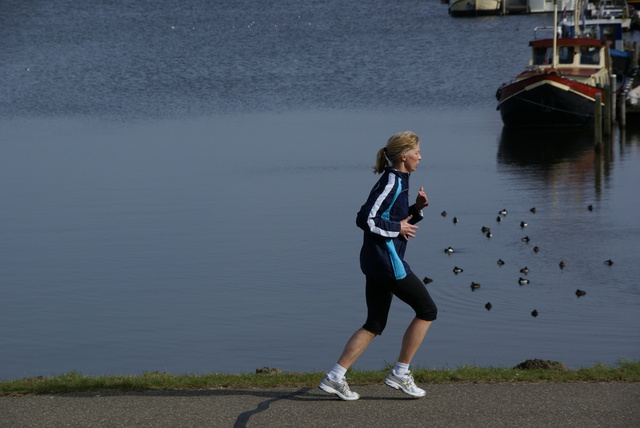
pixel 543 32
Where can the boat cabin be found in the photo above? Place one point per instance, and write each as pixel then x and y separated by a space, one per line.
pixel 576 52
pixel 584 60
pixel 571 52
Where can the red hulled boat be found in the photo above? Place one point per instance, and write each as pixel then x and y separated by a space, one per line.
pixel 559 86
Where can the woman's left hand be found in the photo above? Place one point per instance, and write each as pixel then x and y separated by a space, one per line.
pixel 422 200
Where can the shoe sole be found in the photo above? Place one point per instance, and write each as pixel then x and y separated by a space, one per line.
pixel 330 390
pixel 394 385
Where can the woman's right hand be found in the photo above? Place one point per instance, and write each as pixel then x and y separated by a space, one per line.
pixel 407 230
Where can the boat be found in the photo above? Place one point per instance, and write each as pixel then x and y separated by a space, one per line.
pixel 567 71
pixel 540 6
pixel 633 101
pixel 617 10
pixel 474 7
pixel 559 86
pixel 609 30
pixel 634 11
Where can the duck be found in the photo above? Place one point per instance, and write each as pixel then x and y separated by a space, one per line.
pixel 488 306
pixel 562 265
pixel 534 313
pixel 536 249
pixel 524 270
pixel 427 280
pixel 500 262
pixel 608 262
pixel 455 220
pixel 503 212
pixel 523 281
pixel 523 224
pixel 533 210
pixel 448 250
pixel 526 239
pixel 580 293
pixel 443 213
pixel 485 229
pixel 489 234
pixel 457 270
pixel 498 219
pixel 590 207
pixel 474 286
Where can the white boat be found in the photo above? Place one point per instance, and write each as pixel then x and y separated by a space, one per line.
pixel 597 9
pixel 633 98
pixel 617 10
pixel 474 7
pixel 605 29
pixel 540 6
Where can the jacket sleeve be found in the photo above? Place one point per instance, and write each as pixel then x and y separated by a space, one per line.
pixel 376 224
pixel 373 216
pixel 416 215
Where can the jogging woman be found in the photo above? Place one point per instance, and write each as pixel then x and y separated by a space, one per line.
pixel 388 223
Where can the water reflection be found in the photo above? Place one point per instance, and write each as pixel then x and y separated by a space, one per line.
pixel 560 158
pixel 545 148
pixel 567 156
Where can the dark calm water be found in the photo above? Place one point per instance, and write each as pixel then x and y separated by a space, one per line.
pixel 179 184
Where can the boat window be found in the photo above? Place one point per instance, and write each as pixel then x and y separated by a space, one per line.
pixel 589 55
pixel 609 32
pixel 565 55
pixel 591 32
pixel 542 56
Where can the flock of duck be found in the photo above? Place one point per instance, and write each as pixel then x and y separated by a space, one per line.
pixel 525 270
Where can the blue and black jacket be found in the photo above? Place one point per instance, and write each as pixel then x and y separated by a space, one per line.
pixel 382 253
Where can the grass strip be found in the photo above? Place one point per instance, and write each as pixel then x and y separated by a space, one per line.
pixel 75 382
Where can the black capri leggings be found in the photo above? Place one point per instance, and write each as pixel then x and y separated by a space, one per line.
pixel 409 289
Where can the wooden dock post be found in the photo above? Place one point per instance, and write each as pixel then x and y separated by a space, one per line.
pixel 597 122
pixel 614 98
pixel 623 109
pixel 606 114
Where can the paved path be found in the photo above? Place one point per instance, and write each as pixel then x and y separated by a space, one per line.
pixel 451 405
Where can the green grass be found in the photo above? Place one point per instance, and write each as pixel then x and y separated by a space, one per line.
pixel 74 382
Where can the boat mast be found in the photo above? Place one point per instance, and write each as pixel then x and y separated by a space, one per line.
pixel 555 34
pixel 577 10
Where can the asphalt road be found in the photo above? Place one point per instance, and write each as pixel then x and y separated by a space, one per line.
pixel 450 405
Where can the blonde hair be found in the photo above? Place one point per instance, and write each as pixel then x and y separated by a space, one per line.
pixel 396 146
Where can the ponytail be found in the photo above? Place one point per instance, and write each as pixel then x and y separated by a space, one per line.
pixel 382 161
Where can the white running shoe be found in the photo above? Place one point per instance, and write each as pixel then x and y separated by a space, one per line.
pixel 405 384
pixel 341 389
